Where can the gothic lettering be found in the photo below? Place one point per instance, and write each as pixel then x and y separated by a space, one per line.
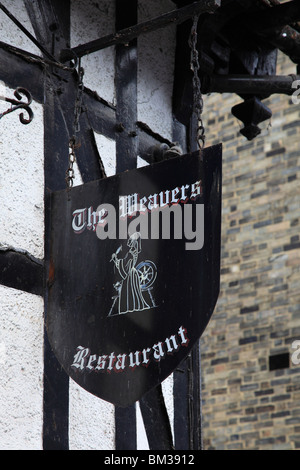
pixel 85 361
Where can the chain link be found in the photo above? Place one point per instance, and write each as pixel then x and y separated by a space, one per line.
pixel 70 175
pixel 79 98
pixel 197 95
pixel 73 142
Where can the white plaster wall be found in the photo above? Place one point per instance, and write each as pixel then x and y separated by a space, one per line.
pixel 156 56
pixel 91 20
pixel 107 150
pixel 21 362
pixel 10 33
pixel 91 421
pixel 21 179
pixel 21 314
pixel 22 227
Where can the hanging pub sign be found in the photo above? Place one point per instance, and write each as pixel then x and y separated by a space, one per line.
pixel 133 274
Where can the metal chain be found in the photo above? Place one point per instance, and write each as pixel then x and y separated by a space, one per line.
pixel 74 142
pixel 79 98
pixel 70 175
pixel 197 95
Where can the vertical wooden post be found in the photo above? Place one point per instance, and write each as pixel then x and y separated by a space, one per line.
pixel 187 377
pixel 126 159
pixel 126 90
pixel 56 381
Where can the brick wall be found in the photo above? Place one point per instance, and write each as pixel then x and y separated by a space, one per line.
pixel 251 388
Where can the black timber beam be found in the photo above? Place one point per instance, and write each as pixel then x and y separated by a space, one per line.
pixel 28 72
pixel 22 271
pixel 156 420
pixel 182 88
pixel 126 35
pixel 250 84
pixel 126 159
pixel 267 26
pixel 287 41
pixel 126 90
pixel 273 25
pixel 50 24
pixel 275 17
pixel 44 16
pixel 187 376
pixel 100 115
pixel 16 70
pixel 187 403
pixel 26 32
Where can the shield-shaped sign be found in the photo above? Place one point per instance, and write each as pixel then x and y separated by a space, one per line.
pixel 133 274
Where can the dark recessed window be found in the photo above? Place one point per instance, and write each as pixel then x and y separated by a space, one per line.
pixel 279 361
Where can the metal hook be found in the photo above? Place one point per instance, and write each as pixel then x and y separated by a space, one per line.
pixel 18 104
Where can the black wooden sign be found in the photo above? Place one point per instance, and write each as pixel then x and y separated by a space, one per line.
pixel 133 275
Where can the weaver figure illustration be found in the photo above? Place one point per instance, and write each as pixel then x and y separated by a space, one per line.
pixel 136 279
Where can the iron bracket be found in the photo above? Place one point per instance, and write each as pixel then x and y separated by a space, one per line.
pixel 18 104
pixel 128 34
pixel 250 84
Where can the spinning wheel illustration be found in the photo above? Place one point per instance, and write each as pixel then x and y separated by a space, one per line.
pixel 147 273
pixel 134 290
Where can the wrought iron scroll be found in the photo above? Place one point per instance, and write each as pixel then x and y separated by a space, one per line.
pixel 18 104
